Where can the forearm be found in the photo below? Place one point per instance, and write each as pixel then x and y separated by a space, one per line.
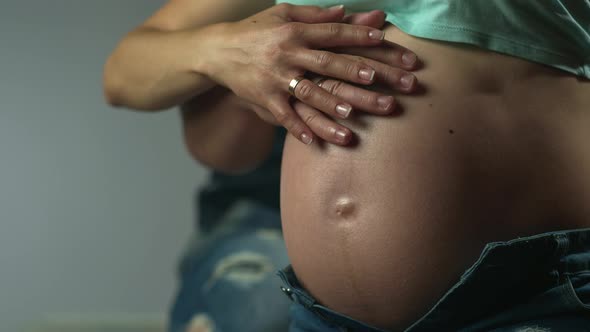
pixel 222 131
pixel 153 69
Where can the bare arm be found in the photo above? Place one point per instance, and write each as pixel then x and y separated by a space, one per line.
pixel 222 131
pixel 172 58
pixel 153 67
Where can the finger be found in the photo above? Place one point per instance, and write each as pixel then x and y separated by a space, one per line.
pixel 396 78
pixel 374 19
pixel 325 35
pixel 310 14
pixel 314 96
pixel 391 54
pixel 288 118
pixel 334 65
pixel 360 99
pixel 322 126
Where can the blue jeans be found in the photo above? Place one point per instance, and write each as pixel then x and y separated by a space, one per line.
pixel 539 283
pixel 227 278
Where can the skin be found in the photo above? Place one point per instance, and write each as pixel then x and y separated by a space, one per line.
pixel 493 148
pixel 170 36
pixel 249 135
pixel 181 52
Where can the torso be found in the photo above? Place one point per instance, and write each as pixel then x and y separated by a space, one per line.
pixel 494 148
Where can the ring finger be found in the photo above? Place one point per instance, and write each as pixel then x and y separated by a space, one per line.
pixel 316 97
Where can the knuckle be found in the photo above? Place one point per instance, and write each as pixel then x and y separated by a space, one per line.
pixel 295 128
pixel 319 9
pixel 290 30
pixel 335 87
pixel 308 119
pixel 326 85
pixel 358 58
pixel 279 54
pixel 352 68
pixel 334 29
pixel 282 116
pixel 273 53
pixel 284 7
pixel 326 101
pixel 315 10
pixel 323 59
pixel 367 98
pixel 305 90
pixel 361 33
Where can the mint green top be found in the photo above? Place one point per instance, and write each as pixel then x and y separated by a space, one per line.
pixel 552 32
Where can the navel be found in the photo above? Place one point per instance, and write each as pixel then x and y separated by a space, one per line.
pixel 344 207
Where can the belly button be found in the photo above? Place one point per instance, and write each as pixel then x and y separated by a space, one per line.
pixel 344 207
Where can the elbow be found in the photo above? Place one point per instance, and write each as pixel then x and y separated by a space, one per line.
pixel 117 93
pixel 112 88
pixel 111 97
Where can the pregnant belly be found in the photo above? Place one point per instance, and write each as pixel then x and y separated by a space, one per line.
pixel 491 150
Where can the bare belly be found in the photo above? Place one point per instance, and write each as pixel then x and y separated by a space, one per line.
pixel 494 148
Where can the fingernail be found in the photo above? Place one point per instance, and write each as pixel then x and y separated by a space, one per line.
pixel 341 135
pixel 407 80
pixel 305 138
pixel 343 110
pixel 338 7
pixel 408 58
pixel 385 102
pixel 367 74
pixel 376 34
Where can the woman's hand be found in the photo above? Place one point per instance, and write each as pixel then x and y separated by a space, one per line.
pixel 393 62
pixel 257 58
pixel 387 60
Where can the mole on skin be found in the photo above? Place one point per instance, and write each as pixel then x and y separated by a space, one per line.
pixel 344 207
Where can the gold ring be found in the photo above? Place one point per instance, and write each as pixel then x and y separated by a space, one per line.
pixel 293 84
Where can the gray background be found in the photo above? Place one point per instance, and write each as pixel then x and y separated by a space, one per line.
pixel 96 203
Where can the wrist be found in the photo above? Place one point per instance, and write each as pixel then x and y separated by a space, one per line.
pixel 206 45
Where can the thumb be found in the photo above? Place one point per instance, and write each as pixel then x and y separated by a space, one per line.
pixel 313 14
pixel 374 19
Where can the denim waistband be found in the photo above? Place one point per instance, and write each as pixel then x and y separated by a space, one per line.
pixel 295 292
pixel 506 274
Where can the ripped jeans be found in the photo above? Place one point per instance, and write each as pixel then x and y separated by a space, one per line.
pixel 227 278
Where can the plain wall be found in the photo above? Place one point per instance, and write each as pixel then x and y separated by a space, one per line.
pixel 96 203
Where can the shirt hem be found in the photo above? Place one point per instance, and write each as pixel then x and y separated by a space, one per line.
pixel 492 42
